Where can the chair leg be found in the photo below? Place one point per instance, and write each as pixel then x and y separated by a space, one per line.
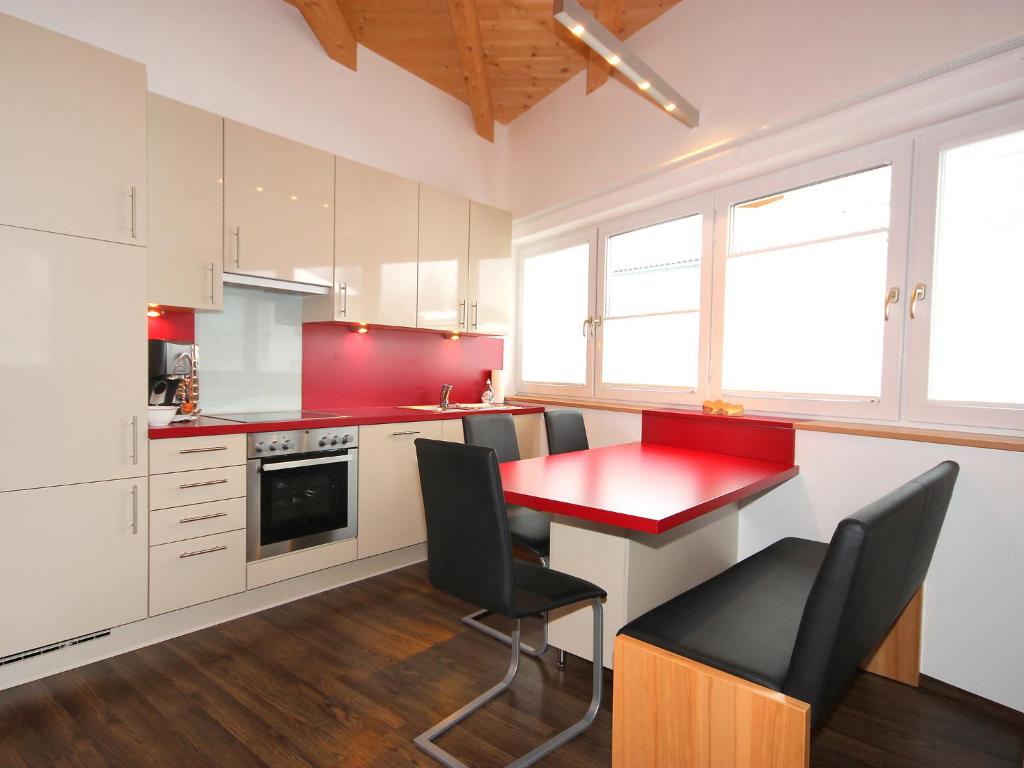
pixel 561 659
pixel 425 740
pixel 474 620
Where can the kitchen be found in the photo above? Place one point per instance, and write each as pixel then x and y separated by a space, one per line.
pixel 244 279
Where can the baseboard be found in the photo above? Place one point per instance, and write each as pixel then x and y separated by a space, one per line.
pixel 156 629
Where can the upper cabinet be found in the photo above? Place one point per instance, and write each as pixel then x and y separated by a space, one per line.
pixel 376 242
pixel 186 205
pixel 278 207
pixel 491 282
pixel 72 137
pixel 443 260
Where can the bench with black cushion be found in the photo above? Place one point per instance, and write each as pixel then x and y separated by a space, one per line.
pixel 783 631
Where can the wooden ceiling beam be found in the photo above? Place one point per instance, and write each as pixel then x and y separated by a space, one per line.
pixel 609 13
pixel 331 29
pixel 466 27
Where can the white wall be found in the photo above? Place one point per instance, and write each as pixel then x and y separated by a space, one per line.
pixel 744 65
pixel 257 61
pixel 973 621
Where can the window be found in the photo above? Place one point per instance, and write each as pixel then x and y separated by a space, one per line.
pixel 649 333
pixel 966 334
pixel 555 303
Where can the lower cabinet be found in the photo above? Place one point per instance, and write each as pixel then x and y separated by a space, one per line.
pixel 72 561
pixel 390 502
pixel 194 571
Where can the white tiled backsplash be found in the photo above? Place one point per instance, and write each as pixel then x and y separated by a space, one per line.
pixel 251 353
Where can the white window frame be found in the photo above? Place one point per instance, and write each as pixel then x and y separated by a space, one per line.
pixel 556 389
pixel 705 207
pixel 896 153
pixel 930 145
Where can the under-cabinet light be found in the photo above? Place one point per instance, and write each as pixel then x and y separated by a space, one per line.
pixel 600 39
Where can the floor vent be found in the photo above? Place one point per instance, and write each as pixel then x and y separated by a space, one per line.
pixel 21 656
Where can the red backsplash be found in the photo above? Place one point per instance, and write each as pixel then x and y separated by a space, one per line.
pixel 391 367
pixel 173 325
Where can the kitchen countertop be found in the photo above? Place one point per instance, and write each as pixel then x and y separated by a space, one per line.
pixel 340 417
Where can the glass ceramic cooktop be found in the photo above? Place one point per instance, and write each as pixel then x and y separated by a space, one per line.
pixel 263 418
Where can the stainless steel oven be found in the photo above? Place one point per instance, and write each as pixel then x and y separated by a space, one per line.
pixel 301 489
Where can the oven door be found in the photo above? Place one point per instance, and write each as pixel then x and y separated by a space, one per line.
pixel 294 502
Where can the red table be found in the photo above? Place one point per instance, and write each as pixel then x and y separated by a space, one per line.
pixel 649 520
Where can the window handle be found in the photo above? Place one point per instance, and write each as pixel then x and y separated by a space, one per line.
pixel 892 297
pixel 586 325
pixel 920 291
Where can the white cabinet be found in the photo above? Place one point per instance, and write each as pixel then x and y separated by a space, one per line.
pixel 180 454
pixel 491 279
pixel 195 571
pixel 73 360
pixel 278 207
pixel 72 136
pixel 443 260
pixel 185 148
pixel 451 431
pixel 390 501
pixel 73 560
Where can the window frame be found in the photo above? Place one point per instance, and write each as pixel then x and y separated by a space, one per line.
pixel 701 205
pixel 896 153
pixel 931 143
pixel 567 240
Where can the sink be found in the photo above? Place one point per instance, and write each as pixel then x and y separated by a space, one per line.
pixel 459 407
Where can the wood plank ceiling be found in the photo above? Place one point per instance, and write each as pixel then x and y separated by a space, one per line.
pixel 500 57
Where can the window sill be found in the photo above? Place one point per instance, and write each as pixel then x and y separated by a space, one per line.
pixel 894 432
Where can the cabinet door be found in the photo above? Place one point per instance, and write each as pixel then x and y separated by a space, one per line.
pixel 452 432
pixel 390 502
pixel 376 231
pixel 185 149
pixel 443 261
pixel 73 560
pixel 278 207
pixel 72 136
pixel 491 282
pixel 73 362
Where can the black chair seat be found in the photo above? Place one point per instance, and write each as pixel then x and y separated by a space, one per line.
pixel 530 529
pixel 539 589
pixel 743 621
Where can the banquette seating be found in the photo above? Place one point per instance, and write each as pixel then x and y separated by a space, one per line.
pixel 738 670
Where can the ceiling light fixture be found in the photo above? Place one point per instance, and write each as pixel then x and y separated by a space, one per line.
pixel 600 39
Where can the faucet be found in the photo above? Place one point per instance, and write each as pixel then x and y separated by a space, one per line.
pixel 446 389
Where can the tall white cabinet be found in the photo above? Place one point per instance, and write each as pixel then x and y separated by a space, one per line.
pixel 491 277
pixel 443 260
pixel 72 136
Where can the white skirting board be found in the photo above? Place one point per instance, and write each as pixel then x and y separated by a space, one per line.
pixel 159 628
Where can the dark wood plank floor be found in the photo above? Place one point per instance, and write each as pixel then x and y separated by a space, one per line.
pixel 349 677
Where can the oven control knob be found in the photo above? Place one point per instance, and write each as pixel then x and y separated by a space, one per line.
pixel 334 440
pixel 345 439
pixel 273 447
pixel 259 447
pixel 323 441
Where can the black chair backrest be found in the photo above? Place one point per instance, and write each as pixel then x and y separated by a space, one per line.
pixel 876 561
pixel 493 430
pixel 566 431
pixel 469 552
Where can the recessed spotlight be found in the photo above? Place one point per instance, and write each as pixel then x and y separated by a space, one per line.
pixel 294 197
pixel 614 60
pixel 259 189
pixel 578 30
pixel 643 85
pixel 670 107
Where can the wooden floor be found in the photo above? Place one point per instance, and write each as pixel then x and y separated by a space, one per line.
pixel 349 677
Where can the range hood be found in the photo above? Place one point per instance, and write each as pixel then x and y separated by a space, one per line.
pixel 273 284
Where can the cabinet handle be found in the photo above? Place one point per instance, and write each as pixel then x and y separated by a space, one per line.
pixel 203 551
pixel 238 247
pixel 202 484
pixel 197 518
pixel 204 450
pixel 343 295
pixel 462 313
pixel 133 196
pixel 135 440
pixel 135 510
pixel 213 278
pixel 407 432
pixel 476 314
pixel 918 295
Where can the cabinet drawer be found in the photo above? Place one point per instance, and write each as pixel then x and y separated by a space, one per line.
pixel 194 571
pixel 180 488
pixel 181 454
pixel 195 520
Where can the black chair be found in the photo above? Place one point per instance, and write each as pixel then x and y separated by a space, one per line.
pixel 469 555
pixel 796 618
pixel 566 431
pixel 528 528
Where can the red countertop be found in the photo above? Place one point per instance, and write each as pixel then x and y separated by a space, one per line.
pixel 349 417
pixel 649 487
